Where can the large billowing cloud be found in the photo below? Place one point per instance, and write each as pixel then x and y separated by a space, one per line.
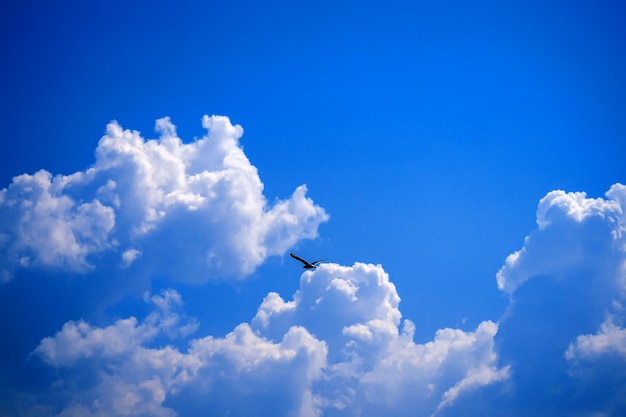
pixel 574 232
pixel 374 365
pixel 338 348
pixel 564 334
pixel 203 198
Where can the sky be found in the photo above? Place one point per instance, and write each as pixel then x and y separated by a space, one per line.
pixel 459 165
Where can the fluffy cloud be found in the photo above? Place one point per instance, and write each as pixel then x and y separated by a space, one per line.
pixel 79 340
pixel 572 231
pixel 203 198
pixel 609 339
pixel 562 335
pixel 374 365
pixel 110 371
pixel 338 348
pixel 39 223
pixel 126 377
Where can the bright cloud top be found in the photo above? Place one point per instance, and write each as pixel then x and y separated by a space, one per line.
pixel 580 243
pixel 204 198
pixel 571 228
pixel 334 349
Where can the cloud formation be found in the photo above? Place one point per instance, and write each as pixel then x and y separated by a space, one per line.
pixel 563 335
pixel 335 349
pixel 339 346
pixel 374 365
pixel 204 198
pixel 610 339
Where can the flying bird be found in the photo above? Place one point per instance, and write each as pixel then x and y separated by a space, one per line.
pixel 307 264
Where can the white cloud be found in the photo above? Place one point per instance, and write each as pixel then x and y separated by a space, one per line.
pixel 477 377
pixel 564 282
pixel 420 379
pixel 43 225
pixel 130 255
pixel 243 367
pixel 373 366
pixel 572 229
pixel 129 378
pixel 197 204
pixel 125 376
pixel 79 340
pixel 335 349
pixel 609 339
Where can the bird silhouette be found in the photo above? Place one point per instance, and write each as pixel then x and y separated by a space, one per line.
pixel 307 264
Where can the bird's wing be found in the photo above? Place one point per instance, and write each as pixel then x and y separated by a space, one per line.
pixel 318 261
pixel 298 258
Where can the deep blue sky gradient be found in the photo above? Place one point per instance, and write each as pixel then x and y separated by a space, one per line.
pixel 427 130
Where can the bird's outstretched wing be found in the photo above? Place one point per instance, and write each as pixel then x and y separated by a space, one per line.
pixel 299 258
pixel 307 264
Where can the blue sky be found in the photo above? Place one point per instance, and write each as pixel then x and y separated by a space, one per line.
pixel 459 164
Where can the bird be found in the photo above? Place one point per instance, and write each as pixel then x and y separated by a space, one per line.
pixel 307 264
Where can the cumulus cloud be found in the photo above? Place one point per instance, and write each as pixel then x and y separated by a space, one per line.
pixel 609 339
pixel 573 232
pixel 562 335
pixel 218 375
pixel 79 340
pixel 41 224
pixel 338 348
pixel 374 365
pixel 204 198
pixel 110 371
